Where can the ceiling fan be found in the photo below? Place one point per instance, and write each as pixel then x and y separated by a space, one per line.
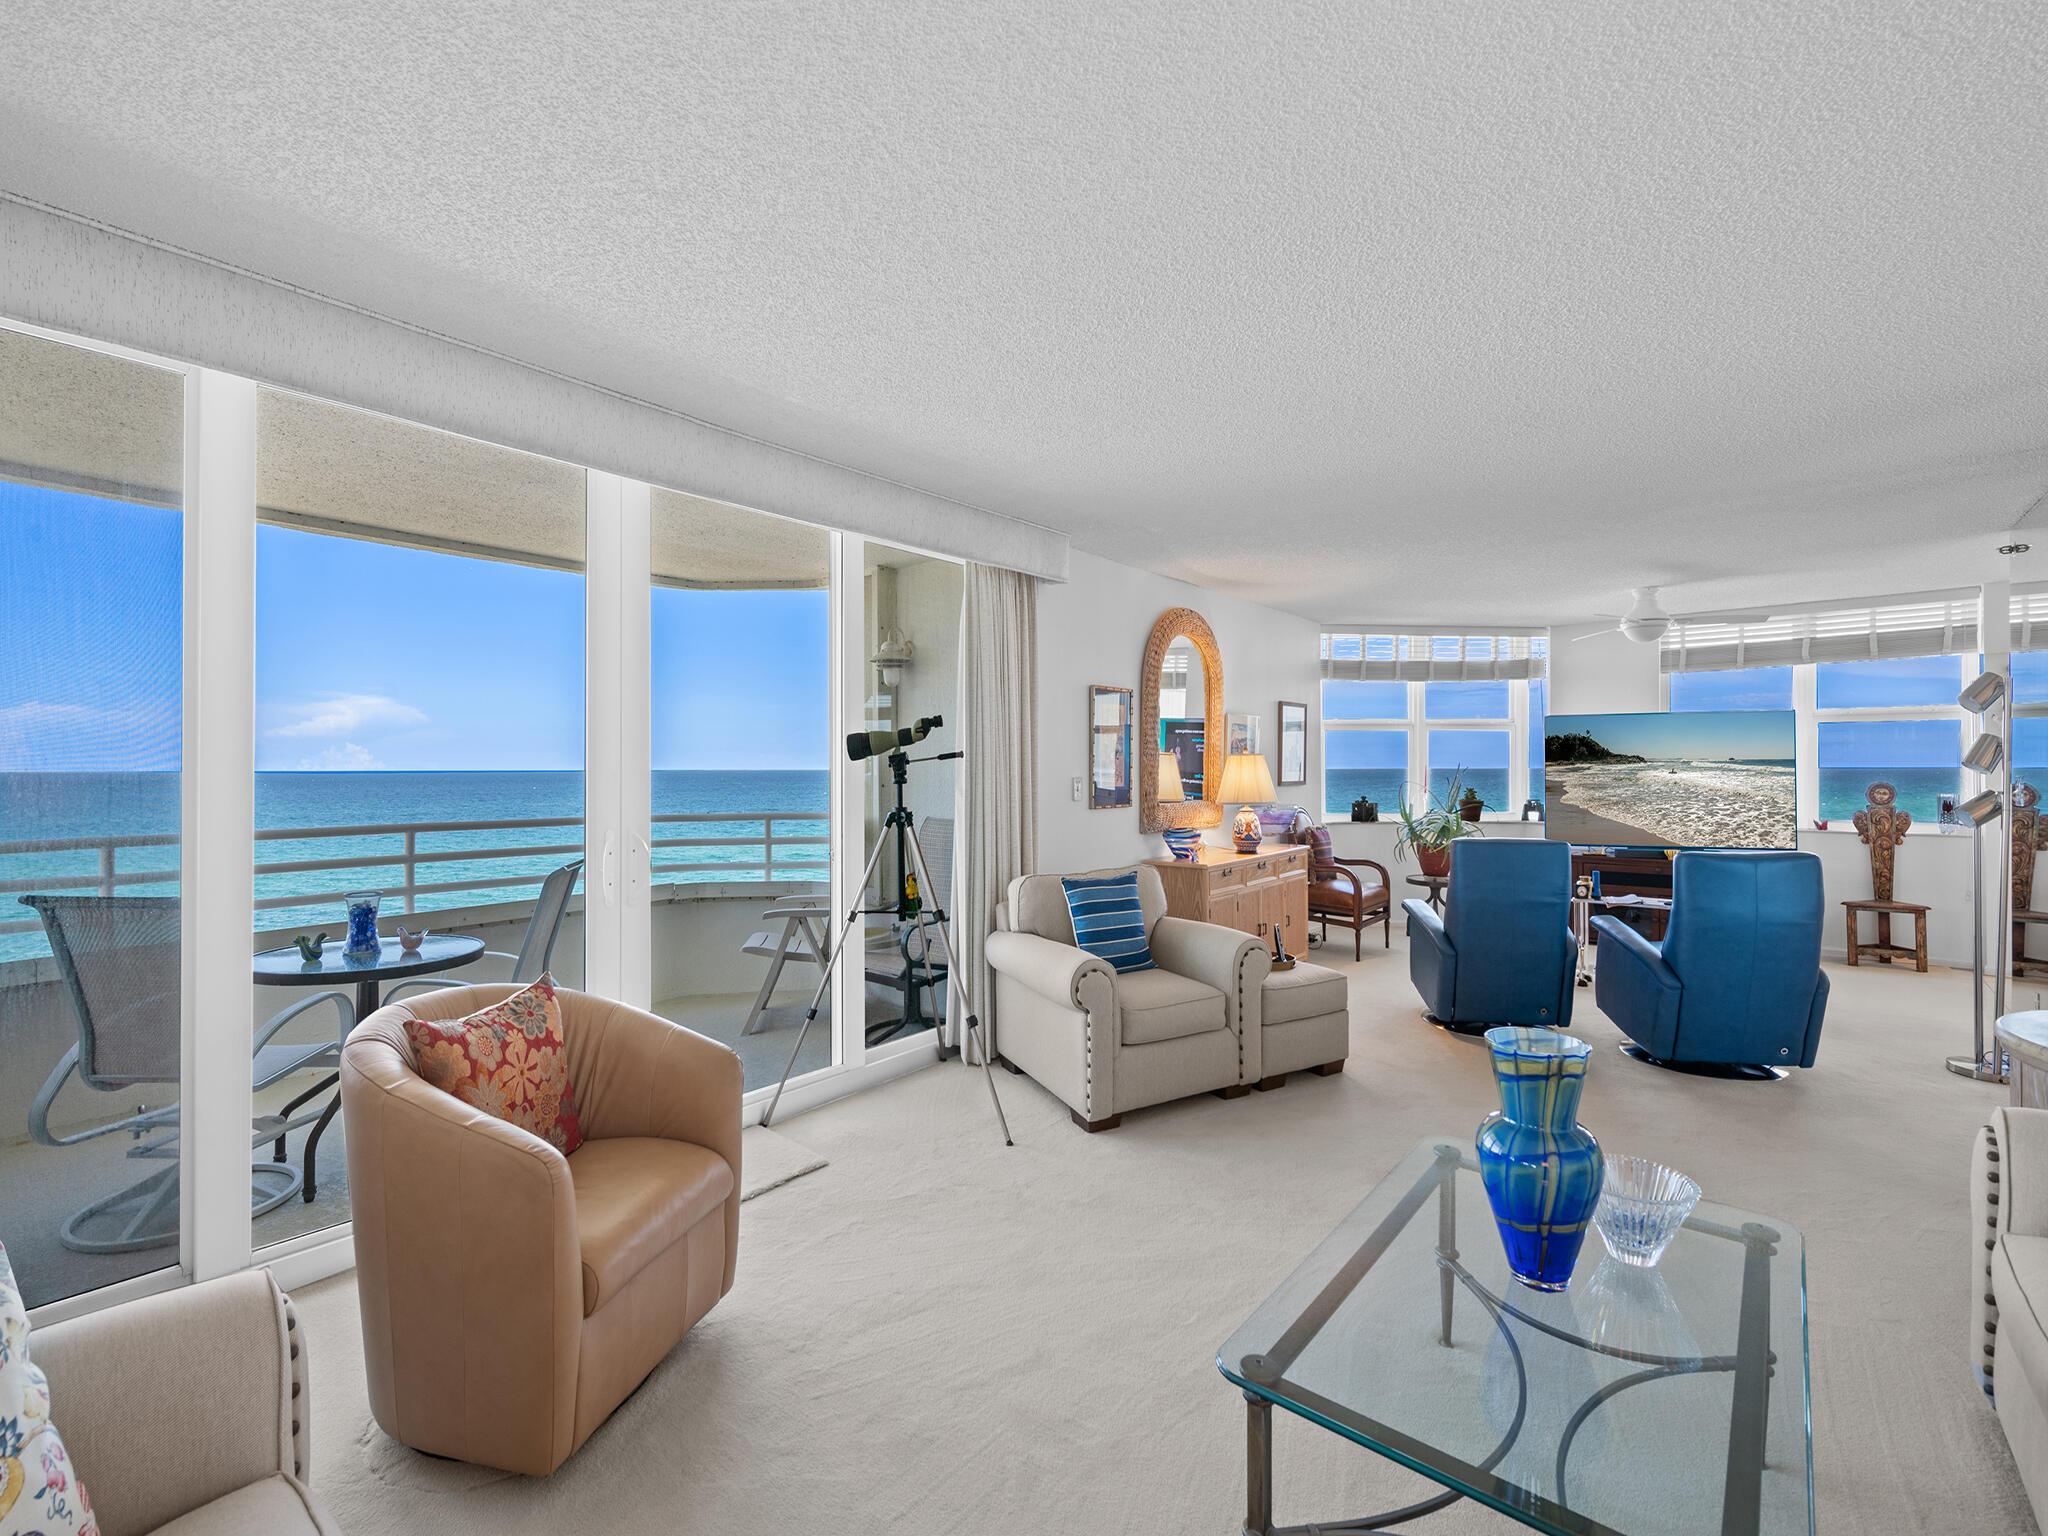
pixel 1644 622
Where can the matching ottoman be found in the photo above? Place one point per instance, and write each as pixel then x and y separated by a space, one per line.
pixel 1307 1023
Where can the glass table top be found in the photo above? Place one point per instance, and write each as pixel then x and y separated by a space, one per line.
pixel 1646 1402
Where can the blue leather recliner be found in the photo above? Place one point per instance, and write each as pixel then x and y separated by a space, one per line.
pixel 1737 981
pixel 1503 952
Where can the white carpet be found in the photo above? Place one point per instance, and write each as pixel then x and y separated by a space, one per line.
pixel 769 1160
pixel 936 1334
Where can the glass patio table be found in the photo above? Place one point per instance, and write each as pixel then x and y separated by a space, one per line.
pixel 1637 1402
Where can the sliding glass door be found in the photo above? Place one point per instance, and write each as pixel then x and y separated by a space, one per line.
pixel 741 750
pixel 419 738
pixel 92 1028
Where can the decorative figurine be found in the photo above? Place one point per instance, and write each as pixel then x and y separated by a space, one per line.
pixel 309 949
pixel 409 941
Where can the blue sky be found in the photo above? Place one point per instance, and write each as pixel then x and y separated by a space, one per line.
pixel 372 656
pixel 1730 733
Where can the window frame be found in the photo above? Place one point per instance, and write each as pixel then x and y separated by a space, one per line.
pixel 1415 788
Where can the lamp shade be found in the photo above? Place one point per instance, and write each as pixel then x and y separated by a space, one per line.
pixel 1169 778
pixel 1985 753
pixel 1245 777
pixel 1982 808
pixel 1986 691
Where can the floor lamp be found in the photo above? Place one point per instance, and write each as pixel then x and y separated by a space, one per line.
pixel 1990 754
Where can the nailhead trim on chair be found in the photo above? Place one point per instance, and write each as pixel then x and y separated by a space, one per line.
pixel 1990 1247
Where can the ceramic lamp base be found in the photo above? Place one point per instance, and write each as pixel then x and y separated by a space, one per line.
pixel 1246 831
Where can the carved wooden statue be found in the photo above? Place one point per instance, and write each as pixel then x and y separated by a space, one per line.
pixel 1882 826
pixel 2029 836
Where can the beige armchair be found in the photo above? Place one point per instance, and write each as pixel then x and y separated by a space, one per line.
pixel 2009 1284
pixel 511 1297
pixel 188 1410
pixel 1105 1043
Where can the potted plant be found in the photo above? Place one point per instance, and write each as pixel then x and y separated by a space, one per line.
pixel 1431 831
pixel 1471 805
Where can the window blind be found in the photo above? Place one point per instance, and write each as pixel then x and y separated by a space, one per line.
pixel 2030 617
pixel 1433 658
pixel 1936 624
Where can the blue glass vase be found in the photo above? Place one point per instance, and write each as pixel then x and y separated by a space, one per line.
pixel 1541 1168
pixel 362 923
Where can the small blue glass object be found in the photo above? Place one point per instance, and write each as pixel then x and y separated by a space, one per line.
pixel 362 922
pixel 1541 1168
pixel 1596 885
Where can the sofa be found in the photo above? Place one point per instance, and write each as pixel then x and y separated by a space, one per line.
pixel 2008 1258
pixel 186 1412
pixel 1503 951
pixel 512 1297
pixel 1736 986
pixel 1105 1043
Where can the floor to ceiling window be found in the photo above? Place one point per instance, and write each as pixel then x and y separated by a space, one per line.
pixel 91 751
pixel 740 896
pixel 420 728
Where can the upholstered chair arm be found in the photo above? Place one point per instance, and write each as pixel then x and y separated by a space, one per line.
pixel 1057 972
pixel 1432 959
pixel 1635 988
pixel 637 1074
pixel 2022 1186
pixel 1235 963
pixel 113 1373
pixel 456 1209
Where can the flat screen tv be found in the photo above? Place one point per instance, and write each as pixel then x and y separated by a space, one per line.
pixel 1687 779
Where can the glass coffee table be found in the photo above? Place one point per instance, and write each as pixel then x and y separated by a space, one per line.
pixel 1637 1402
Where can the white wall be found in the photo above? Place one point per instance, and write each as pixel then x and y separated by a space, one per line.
pixel 1612 674
pixel 1093 629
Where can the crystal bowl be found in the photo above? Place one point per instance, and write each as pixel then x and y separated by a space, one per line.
pixel 1642 1206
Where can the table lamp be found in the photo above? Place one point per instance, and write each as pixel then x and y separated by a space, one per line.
pixel 1169 779
pixel 1245 778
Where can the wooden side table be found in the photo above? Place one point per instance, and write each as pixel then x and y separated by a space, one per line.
pixel 1884 949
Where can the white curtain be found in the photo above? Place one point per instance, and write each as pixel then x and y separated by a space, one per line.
pixel 998 826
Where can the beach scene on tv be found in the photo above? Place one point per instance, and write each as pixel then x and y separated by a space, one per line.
pixel 1711 779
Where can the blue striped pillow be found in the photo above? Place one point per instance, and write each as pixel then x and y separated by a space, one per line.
pixel 1108 922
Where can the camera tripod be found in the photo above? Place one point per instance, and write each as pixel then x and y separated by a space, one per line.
pixel 901 821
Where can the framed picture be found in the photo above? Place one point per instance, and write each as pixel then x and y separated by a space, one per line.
pixel 1109 747
pixel 1293 743
pixel 1240 734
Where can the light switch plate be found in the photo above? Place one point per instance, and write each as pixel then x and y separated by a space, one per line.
pixel 1077 786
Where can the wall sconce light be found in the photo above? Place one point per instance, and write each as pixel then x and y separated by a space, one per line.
pixel 892 654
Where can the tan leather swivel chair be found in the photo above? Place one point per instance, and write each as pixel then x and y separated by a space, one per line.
pixel 511 1297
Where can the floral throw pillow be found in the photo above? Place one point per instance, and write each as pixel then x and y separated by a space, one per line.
pixel 510 1060
pixel 38 1490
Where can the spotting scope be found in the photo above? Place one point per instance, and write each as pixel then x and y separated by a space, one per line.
pixel 864 744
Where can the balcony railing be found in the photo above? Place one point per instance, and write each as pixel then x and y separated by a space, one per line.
pixel 775 856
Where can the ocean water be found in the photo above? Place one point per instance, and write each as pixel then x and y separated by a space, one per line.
pixel 44 807
pixel 1344 785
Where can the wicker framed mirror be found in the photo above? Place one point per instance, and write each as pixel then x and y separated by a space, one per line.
pixel 1181 644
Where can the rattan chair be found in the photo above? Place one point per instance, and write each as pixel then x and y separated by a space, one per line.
pixel 119 960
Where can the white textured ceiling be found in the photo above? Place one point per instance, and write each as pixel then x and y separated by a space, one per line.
pixel 1428 310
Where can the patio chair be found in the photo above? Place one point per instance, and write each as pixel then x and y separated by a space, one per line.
pixel 118 958
pixel 915 963
pixel 536 948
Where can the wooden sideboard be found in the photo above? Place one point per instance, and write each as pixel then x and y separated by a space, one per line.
pixel 1253 892
pixel 1630 875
